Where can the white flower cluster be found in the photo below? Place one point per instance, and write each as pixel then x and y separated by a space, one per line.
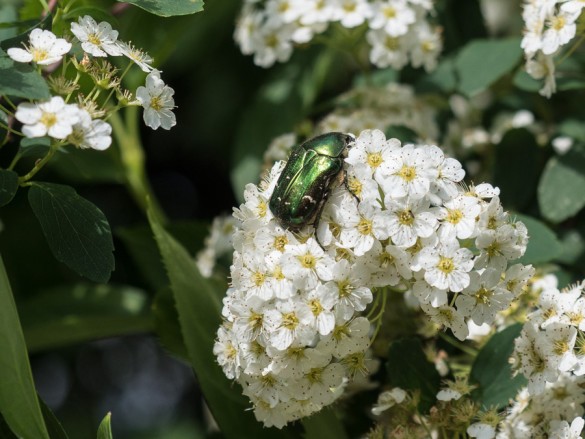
pixel 552 341
pixel 398 30
pixel 98 40
pixel 549 25
pixel 557 412
pixel 292 334
pixel 217 244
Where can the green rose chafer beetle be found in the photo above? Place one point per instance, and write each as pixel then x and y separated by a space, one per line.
pixel 312 170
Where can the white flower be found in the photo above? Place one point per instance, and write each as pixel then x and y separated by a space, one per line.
pixel 449 317
pixel 157 100
pixel 96 39
pixel 427 46
pixel 141 58
pixel 409 220
pixel 481 431
pixel 448 395
pixel 408 172
pixel 562 429
pixel 54 118
pixel 352 13
pixel 363 226
pixel 349 337
pixel 372 149
pixel 393 16
pixel 387 51
pixel 543 66
pixel 447 267
pixel 458 217
pixel 45 48
pixel 557 345
pixel 388 399
pixel 272 43
pixel 562 30
pixel 306 264
pixel 88 133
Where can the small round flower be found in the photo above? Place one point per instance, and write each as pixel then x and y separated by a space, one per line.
pixel 54 118
pixel 157 100
pixel 45 48
pixel 88 133
pixel 142 59
pixel 96 39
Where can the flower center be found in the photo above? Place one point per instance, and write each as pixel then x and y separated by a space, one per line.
pixel 277 273
pixel 255 320
pixel 316 307
pixel 389 12
pixel 446 265
pixel 483 296
pixel 39 55
pixel 392 43
pixel 279 242
pixel 385 259
pixel 365 226
pixel 349 6
pixel 558 22
pixel 355 186
pixel 374 159
pixel 454 216
pixel 271 41
pixel 48 119
pixel 315 375
pixel 560 347
pixel 406 218
pixel 345 288
pixel 290 321
pixel 94 39
pixel 258 278
pixel 156 103
pixel 407 173
pixel 262 208
pixel 308 260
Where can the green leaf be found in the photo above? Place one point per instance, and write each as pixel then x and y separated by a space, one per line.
pixel 560 190
pixel 543 245
pixel 35 146
pixel 573 128
pixel 22 81
pixel 19 404
pixel 323 424
pixel 169 8
pixel 166 321
pixel 199 307
pixel 8 186
pixel 518 189
pixel 78 233
pixel 105 428
pixel 53 425
pixel 442 79
pixel 409 369
pixel 492 372
pixel 402 133
pixel 89 165
pixel 68 315
pixel 525 82
pixel 573 251
pixel 8 15
pixel 483 62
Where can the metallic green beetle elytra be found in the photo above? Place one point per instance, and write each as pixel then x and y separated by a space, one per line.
pixel 312 170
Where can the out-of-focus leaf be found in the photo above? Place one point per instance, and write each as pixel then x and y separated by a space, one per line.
pixel 36 146
pixel 8 186
pixel 442 79
pixel 409 369
pixel 402 133
pixel 573 251
pixel 19 404
pixel 8 15
pixel 77 231
pixel 21 80
pixel 560 190
pixel 483 62
pixel 323 424
pixel 168 8
pixel 461 22
pixel 105 428
pixel 572 128
pixel 517 188
pixel 53 425
pixel 199 308
pixel 142 247
pixel 26 27
pixel 89 165
pixel 543 245
pixel 68 315
pixel 525 82
pixel 492 372
pixel 281 103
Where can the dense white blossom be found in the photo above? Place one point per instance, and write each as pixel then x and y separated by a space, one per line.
pixel 292 315
pixel 399 30
pixel 54 118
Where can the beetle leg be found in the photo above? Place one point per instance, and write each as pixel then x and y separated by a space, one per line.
pixel 318 219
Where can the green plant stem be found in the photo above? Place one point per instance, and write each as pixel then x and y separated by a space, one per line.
pixel 11 130
pixel 39 165
pixel 14 161
pixel 132 156
pixel 459 345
